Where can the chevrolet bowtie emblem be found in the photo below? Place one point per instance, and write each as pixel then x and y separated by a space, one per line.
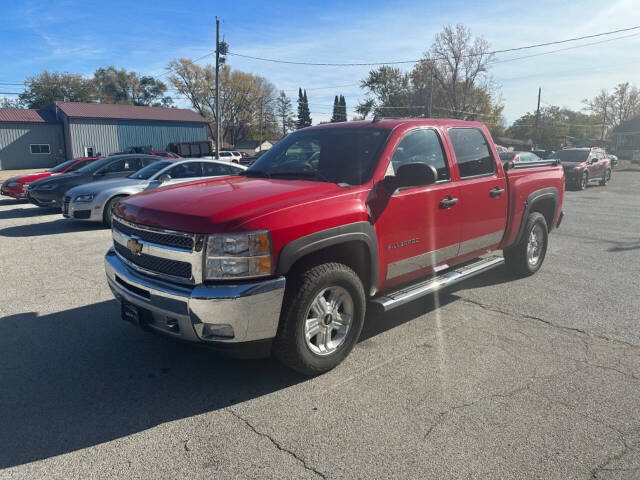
pixel 135 246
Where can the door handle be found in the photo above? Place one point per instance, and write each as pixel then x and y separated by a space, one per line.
pixel 447 202
pixel 496 192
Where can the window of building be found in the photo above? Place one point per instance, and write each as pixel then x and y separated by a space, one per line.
pixel 40 148
pixel 472 152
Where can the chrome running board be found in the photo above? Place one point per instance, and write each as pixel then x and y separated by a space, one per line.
pixel 444 279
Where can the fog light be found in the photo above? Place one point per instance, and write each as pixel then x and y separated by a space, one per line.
pixel 210 330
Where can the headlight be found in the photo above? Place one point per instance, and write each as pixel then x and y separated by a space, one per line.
pixel 84 198
pixel 12 184
pixel 47 186
pixel 238 255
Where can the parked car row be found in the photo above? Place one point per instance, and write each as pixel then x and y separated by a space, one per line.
pixel 88 188
pixel 582 166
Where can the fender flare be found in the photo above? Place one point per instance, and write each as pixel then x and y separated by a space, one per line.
pixel 542 194
pixel 358 231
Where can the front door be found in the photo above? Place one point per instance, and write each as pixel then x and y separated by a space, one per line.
pixel 417 232
pixel 483 193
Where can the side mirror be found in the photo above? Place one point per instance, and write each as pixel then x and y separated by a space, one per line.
pixel 163 178
pixel 594 160
pixel 412 175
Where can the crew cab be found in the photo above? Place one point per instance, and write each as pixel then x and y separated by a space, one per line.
pixel 285 258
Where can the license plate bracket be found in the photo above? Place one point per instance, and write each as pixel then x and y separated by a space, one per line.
pixel 133 314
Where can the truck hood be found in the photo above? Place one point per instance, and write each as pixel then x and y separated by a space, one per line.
pixel 219 205
pixel 101 186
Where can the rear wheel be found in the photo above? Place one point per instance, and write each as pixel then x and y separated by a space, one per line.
pixel 321 319
pixel 106 213
pixel 607 177
pixel 526 257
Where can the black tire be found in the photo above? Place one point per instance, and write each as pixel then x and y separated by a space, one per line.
pixel 290 345
pixel 517 258
pixel 584 181
pixel 607 177
pixel 106 213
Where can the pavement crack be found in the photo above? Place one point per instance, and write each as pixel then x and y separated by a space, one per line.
pixel 276 444
pixel 549 323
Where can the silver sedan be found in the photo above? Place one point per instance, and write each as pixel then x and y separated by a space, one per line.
pixel 94 201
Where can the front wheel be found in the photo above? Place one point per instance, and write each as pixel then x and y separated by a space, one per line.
pixel 584 181
pixel 607 177
pixel 107 212
pixel 321 319
pixel 526 257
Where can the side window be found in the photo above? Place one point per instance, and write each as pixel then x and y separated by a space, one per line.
pixel 472 152
pixel 78 165
pixel 186 170
pixel 235 170
pixel 420 146
pixel 213 169
pixel 118 166
pixel 148 161
pixel 133 164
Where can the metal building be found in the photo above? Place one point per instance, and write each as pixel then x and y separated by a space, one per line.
pixel 29 139
pixel 43 138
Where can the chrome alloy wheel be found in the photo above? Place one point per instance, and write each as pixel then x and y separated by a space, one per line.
pixel 534 245
pixel 328 320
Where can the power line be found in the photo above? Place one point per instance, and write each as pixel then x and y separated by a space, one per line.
pixel 361 64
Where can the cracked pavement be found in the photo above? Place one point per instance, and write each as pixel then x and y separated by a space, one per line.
pixel 498 378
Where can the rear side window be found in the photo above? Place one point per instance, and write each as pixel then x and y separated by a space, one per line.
pixel 472 152
pixel 186 170
pixel 213 169
pixel 421 146
pixel 80 165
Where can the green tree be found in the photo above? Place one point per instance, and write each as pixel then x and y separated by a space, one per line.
pixel 284 112
pixel 304 115
pixel 336 110
pixel 46 88
pixel 343 109
pixel 114 85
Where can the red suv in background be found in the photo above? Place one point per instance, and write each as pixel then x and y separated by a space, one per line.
pixel 584 165
pixel 15 186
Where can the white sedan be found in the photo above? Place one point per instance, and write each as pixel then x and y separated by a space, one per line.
pixel 94 201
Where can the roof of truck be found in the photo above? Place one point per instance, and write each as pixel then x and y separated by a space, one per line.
pixel 391 123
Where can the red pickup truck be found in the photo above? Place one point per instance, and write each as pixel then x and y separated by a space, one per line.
pixel 285 258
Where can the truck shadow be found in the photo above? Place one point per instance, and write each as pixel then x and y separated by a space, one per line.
pixel 80 377
pixel 6 202
pixel 62 225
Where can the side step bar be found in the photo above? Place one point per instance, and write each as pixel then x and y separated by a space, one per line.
pixel 447 278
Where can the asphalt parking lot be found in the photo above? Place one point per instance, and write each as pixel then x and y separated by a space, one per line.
pixel 498 378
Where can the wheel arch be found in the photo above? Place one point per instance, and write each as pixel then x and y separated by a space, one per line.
pixel 354 245
pixel 544 201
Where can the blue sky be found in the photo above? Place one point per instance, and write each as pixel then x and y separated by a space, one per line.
pixel 144 36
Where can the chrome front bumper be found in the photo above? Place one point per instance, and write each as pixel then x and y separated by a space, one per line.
pixel 251 309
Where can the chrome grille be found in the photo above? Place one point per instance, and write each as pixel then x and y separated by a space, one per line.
pixel 167 254
pixel 161 238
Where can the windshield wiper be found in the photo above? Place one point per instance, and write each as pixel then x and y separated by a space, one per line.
pixel 256 173
pixel 303 174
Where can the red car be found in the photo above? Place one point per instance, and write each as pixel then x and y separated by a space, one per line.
pixel 585 165
pixel 285 257
pixel 15 186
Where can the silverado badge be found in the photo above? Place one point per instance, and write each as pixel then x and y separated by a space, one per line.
pixel 135 246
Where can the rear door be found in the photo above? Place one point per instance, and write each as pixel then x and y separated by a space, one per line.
pixel 482 191
pixel 417 234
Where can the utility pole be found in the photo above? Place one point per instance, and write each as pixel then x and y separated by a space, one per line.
pixel 429 104
pixel 535 135
pixel 217 89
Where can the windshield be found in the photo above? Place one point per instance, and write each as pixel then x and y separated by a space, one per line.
pixel 61 167
pixel 507 155
pixel 572 155
pixel 95 166
pixel 150 170
pixel 336 155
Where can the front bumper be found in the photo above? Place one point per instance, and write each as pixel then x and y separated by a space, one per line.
pixel 14 192
pixel 251 309
pixel 82 210
pixel 46 198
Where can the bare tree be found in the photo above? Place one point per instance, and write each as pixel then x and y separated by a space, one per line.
pixel 621 105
